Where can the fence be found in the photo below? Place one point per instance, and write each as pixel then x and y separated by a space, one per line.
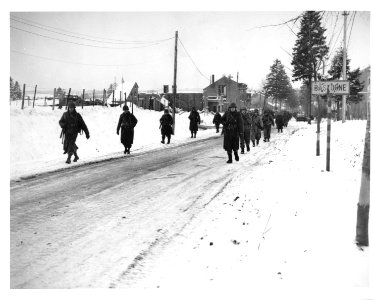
pixel 59 98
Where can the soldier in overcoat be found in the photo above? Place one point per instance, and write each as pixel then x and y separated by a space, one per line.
pixel 166 126
pixel 127 122
pixel 195 119
pixel 245 138
pixel 233 129
pixel 256 127
pixel 268 122
pixel 280 121
pixel 72 123
pixel 217 120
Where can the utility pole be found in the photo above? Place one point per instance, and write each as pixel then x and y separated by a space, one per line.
pixel 174 86
pixel 345 14
pixel 362 236
pixel 329 127
pixel 238 93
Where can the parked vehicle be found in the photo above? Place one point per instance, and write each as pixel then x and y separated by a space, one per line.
pixel 301 118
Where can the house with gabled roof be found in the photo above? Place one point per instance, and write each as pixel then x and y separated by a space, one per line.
pixel 219 94
pixel 128 90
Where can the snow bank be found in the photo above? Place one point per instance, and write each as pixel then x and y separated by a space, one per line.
pixel 35 145
pixel 283 222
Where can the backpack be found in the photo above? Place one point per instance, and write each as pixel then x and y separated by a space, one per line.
pixel 126 121
pixel 231 123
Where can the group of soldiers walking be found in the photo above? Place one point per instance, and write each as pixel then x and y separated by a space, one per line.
pixel 239 128
pixel 242 127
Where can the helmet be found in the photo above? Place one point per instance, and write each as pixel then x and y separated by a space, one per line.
pixel 71 105
pixel 232 105
pixel 125 107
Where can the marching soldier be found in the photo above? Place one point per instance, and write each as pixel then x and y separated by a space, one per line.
pixel 217 121
pixel 166 126
pixel 72 123
pixel 233 129
pixel 267 123
pixel 245 138
pixel 195 119
pixel 256 128
pixel 127 122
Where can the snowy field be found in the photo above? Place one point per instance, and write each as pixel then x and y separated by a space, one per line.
pixel 283 228
pixel 35 145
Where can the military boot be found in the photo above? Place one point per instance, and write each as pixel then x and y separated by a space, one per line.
pixel 229 161
pixel 68 161
pixel 242 150
pixel 76 157
pixel 236 157
pixel 248 148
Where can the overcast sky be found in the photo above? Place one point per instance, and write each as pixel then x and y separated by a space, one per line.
pixel 140 46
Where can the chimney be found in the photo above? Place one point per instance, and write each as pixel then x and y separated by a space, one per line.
pixel 212 79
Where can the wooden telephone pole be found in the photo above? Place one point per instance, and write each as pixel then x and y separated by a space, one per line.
pixel 345 14
pixel 174 86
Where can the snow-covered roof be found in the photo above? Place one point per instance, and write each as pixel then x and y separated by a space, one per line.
pixel 126 88
pixel 164 101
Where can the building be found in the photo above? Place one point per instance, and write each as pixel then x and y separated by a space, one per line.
pixel 219 94
pixel 126 92
pixel 186 100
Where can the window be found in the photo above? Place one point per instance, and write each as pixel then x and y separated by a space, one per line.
pixel 222 90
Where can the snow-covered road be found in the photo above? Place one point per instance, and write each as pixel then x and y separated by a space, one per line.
pixel 180 217
pixel 90 226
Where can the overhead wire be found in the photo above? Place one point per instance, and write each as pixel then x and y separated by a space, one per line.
pixel 75 63
pixel 88 39
pixel 351 30
pixel 192 60
pixel 87 45
pixel 64 30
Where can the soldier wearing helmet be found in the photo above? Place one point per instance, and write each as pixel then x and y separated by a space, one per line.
pixel 233 129
pixel 72 123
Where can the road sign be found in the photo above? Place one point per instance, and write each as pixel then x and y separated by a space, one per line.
pixel 337 87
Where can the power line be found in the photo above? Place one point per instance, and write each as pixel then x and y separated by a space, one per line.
pixel 75 63
pixel 192 60
pixel 335 25
pixel 280 24
pixel 30 32
pixel 352 25
pixel 331 51
pixel 63 30
pixel 88 39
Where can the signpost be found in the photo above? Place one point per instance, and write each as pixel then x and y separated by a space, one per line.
pixel 336 87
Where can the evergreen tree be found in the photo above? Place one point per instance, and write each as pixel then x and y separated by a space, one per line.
pixel 277 83
pixel 17 92
pixel 310 49
pixel 11 89
pixel 335 73
pixel 292 100
pixel 304 96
